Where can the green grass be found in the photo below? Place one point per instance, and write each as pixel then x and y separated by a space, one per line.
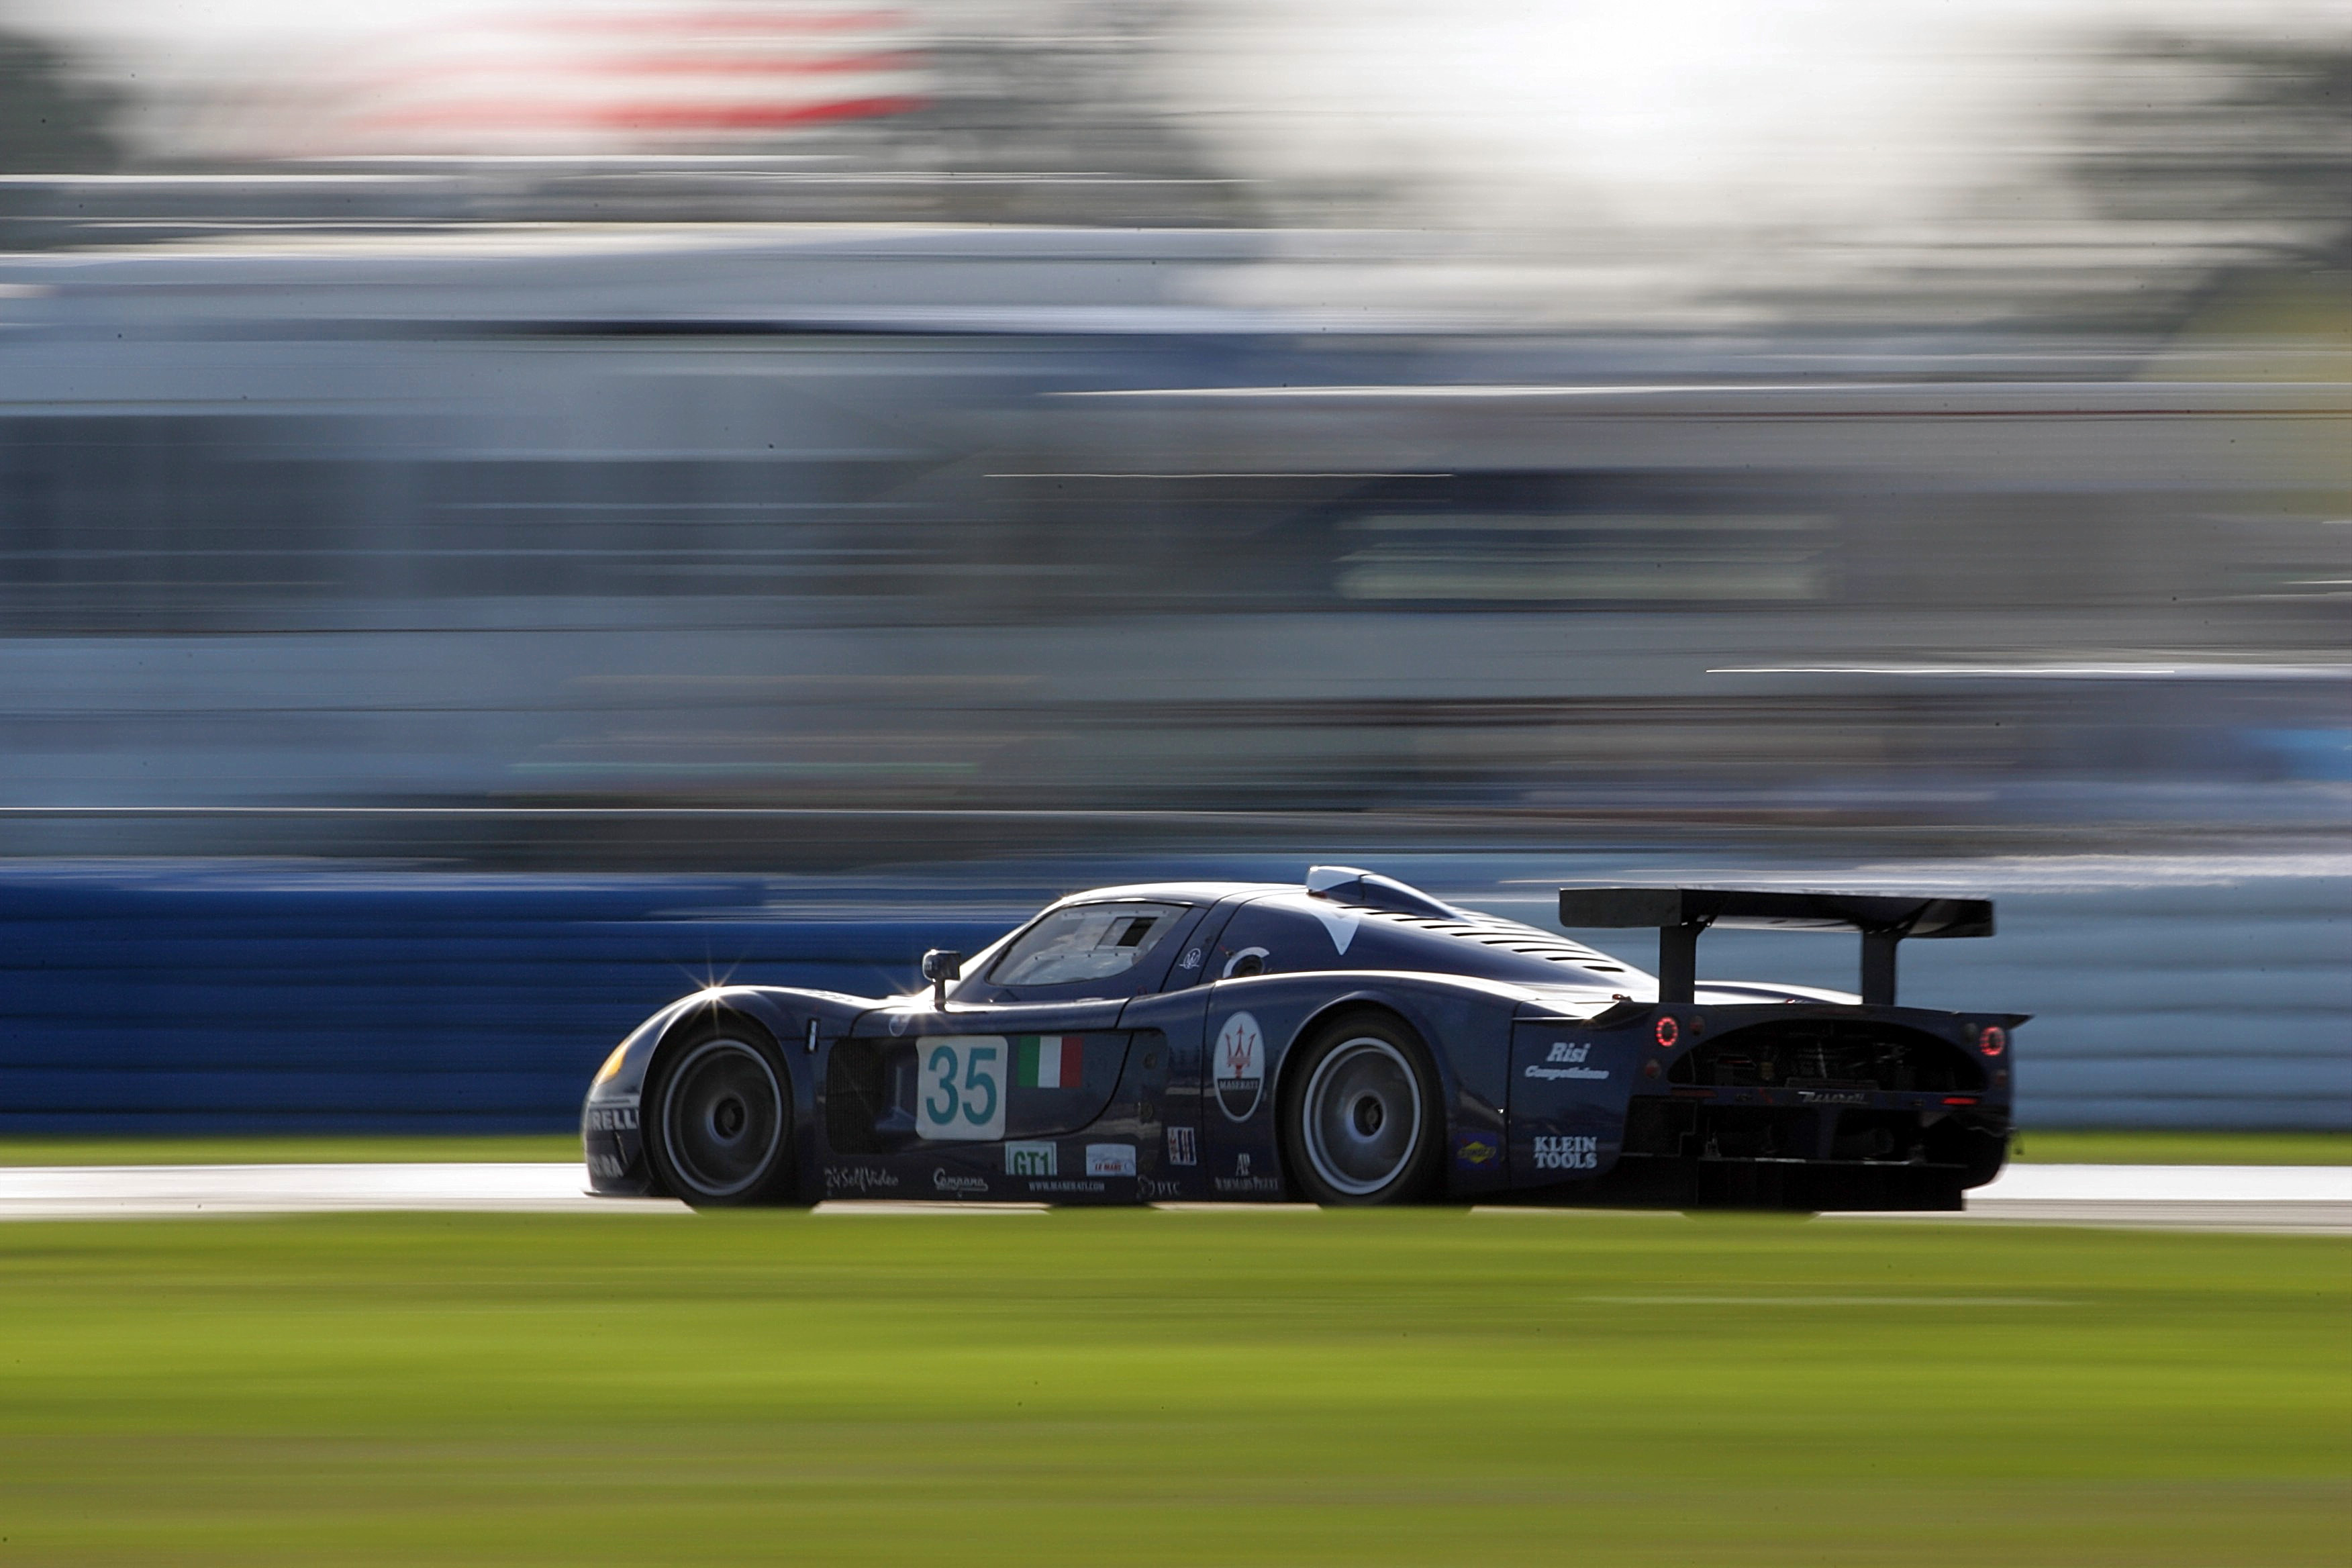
pixel 2101 1148
pixel 1178 1388
pixel 2091 1148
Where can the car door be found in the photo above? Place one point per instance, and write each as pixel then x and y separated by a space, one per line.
pixel 1032 1049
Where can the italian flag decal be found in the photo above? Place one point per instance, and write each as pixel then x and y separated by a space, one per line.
pixel 1048 1061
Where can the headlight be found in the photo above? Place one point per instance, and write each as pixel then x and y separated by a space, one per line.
pixel 612 1067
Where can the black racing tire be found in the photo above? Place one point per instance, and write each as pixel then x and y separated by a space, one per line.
pixel 1362 1123
pixel 718 1118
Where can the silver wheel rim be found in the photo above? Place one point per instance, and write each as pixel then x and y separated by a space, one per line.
pixel 1362 1116
pixel 723 1118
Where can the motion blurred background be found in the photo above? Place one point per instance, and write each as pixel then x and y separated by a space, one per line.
pixel 510 511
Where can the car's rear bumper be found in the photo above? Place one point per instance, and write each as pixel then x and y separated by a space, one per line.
pixel 1650 1180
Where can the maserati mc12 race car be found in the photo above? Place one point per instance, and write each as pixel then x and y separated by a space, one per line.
pixel 1350 1041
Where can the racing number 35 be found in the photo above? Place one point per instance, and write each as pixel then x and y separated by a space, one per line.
pixel 960 1087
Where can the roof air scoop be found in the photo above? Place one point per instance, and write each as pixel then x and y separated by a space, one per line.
pixel 1346 884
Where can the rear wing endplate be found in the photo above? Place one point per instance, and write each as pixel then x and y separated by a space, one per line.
pixel 1681 914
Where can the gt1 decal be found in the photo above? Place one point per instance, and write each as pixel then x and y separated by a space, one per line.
pixel 1570 1153
pixel 1110 1158
pixel 1562 1052
pixel 612 1119
pixel 960 1087
pixel 1239 1066
pixel 1184 1147
pixel 1031 1160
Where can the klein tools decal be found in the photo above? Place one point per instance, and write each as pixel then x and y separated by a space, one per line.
pixel 1566 1061
pixel 1239 1066
pixel 1569 1153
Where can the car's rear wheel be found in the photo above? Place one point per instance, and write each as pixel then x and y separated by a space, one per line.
pixel 1361 1122
pixel 719 1126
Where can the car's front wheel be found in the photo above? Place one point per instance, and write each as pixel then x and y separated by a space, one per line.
pixel 719 1127
pixel 1363 1123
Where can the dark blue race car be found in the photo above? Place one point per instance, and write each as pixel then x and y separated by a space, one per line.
pixel 1352 1041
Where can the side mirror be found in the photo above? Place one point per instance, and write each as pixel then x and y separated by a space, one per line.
pixel 939 966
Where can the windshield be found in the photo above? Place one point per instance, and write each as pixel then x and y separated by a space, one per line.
pixel 1085 942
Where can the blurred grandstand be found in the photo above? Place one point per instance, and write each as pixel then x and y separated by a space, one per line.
pixel 797 436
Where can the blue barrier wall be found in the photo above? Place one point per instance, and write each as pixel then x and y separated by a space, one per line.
pixel 232 1001
pixel 236 998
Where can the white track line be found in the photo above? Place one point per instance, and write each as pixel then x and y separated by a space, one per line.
pixel 98 1191
pixel 2298 1198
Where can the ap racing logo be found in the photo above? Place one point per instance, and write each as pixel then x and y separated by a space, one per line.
pixel 1239 1066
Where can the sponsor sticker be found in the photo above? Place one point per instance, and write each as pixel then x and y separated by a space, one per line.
pixel 860 1179
pixel 1566 1060
pixel 1568 1153
pixel 611 1119
pixel 945 1181
pixel 1183 1146
pixel 1475 1150
pixel 1151 1189
pixel 1239 1066
pixel 1243 1181
pixel 1031 1160
pixel 606 1165
pixel 1066 1185
pixel 960 1087
pixel 1110 1158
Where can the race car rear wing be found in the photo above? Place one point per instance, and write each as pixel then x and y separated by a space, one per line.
pixel 1681 914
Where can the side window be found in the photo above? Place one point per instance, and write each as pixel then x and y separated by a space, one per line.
pixel 1085 942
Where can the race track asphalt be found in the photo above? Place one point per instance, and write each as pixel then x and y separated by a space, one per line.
pixel 2308 1199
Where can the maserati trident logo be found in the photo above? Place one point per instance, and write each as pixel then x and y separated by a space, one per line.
pixel 1239 1066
